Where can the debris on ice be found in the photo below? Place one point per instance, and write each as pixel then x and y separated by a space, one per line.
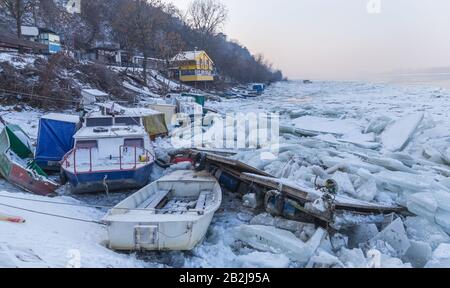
pixel 250 201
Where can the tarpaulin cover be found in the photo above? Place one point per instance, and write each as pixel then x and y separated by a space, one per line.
pixel 55 139
pixel 155 125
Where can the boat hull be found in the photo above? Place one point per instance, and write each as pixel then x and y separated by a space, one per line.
pixel 21 177
pixel 143 222
pixel 169 236
pixel 93 182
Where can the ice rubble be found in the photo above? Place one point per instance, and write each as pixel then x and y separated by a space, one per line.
pixel 271 239
pixel 373 158
pixel 396 136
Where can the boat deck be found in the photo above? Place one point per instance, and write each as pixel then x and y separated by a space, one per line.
pixel 162 203
pixel 84 161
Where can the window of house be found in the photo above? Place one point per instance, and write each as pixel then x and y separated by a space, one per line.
pixel 86 144
pixel 134 142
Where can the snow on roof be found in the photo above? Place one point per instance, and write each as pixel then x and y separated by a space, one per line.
pixel 62 117
pixel 94 92
pixel 140 112
pixel 29 31
pixel 187 55
pixel 111 132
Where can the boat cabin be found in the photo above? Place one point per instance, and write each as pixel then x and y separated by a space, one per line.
pixel 111 139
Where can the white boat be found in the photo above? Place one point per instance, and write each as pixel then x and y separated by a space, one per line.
pixel 173 213
pixel 112 151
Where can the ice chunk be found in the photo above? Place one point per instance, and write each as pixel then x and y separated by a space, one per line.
pixel 411 182
pixel 262 260
pixel 440 258
pixel 250 200
pixel 361 234
pixel 393 263
pixel 351 164
pixel 397 136
pixel 443 200
pixel 367 190
pixel 395 236
pixel 339 241
pixel 344 183
pixel 432 154
pixel 378 124
pixel 420 229
pixel 422 204
pixel 353 258
pixel 318 125
pixel 390 164
pixel 405 158
pixel 366 141
pixel 292 226
pixel 442 218
pixel 418 254
pixel 271 239
pixel 323 259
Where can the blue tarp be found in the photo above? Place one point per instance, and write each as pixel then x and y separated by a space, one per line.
pixel 55 139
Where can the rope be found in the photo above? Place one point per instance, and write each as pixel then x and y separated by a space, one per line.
pixel 54 215
pixel 90 206
pixel 31 96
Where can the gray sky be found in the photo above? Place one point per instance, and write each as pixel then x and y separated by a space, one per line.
pixel 342 39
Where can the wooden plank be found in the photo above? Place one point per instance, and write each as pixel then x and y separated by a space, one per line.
pixel 240 166
pixel 152 202
pixel 250 174
pixel 275 184
pixel 341 203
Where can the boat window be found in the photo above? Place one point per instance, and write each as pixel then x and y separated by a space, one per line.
pixel 87 144
pixel 135 142
pixel 96 122
pixel 136 121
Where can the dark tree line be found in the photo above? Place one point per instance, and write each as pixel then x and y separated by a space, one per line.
pixel 149 27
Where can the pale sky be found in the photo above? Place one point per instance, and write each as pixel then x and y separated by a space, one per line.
pixel 340 39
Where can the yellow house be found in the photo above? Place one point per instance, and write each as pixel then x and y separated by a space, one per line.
pixel 194 66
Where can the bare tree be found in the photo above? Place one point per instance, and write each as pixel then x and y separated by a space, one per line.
pixel 207 17
pixel 169 45
pixel 137 23
pixel 17 9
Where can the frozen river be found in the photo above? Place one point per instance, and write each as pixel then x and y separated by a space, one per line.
pixel 380 143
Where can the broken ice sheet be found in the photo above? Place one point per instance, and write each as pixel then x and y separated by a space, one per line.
pixel 274 240
pixel 262 260
pixel 420 229
pixel 395 236
pixel 440 257
pixel 396 136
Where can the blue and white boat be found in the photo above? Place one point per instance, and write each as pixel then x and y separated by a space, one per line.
pixel 112 151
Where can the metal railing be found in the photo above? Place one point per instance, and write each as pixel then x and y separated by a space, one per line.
pixel 72 154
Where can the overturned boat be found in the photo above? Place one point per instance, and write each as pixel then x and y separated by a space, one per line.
pixel 17 164
pixel 112 152
pixel 173 213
